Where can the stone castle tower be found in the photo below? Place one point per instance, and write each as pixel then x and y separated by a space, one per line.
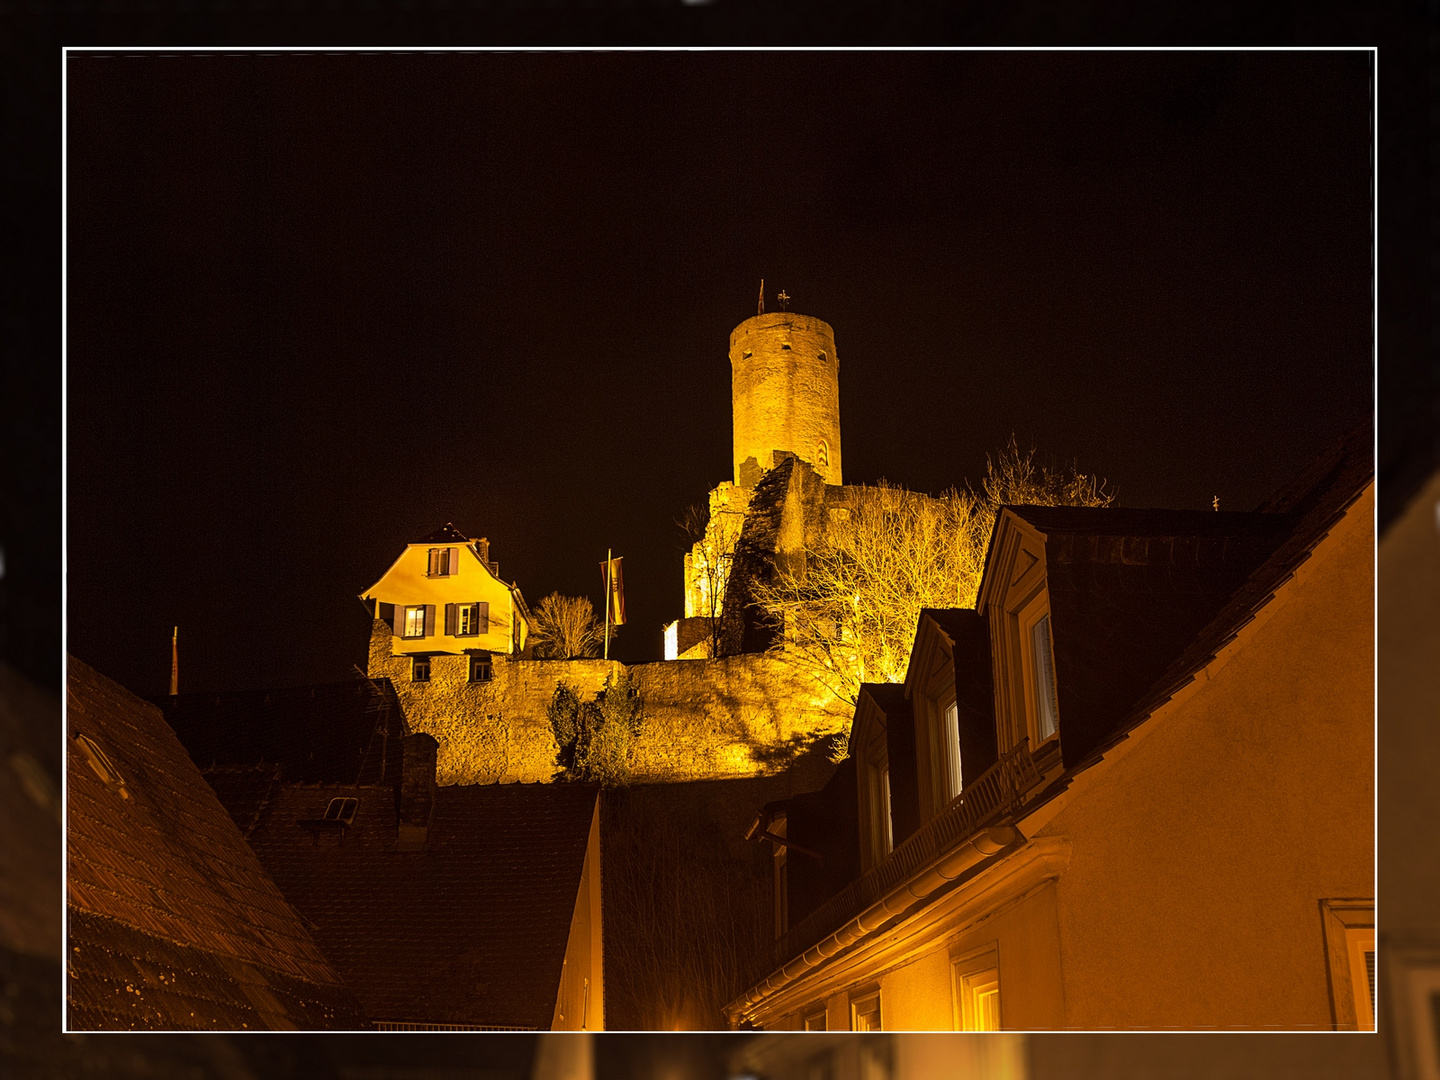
pixel 785 395
pixel 785 400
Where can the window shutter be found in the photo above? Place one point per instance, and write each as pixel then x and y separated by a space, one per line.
pixel 450 619
pixel 399 620
pixel 482 610
pixel 429 620
pixel 454 560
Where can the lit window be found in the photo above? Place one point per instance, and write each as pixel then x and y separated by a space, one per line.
pixel 977 992
pixel 465 620
pixel 951 714
pixel 815 1021
pixel 480 669
pixel 1043 655
pixel 865 1013
pixel 415 621
pixel 342 810
pixel 420 669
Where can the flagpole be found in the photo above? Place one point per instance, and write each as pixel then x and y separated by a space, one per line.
pixel 609 588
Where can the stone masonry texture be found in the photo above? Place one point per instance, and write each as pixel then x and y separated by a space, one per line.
pixel 700 719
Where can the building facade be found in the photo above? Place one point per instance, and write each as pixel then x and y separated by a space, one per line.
pixel 1132 789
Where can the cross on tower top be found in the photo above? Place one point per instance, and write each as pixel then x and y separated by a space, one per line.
pixel 783 299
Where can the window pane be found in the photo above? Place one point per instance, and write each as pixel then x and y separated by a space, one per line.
pixel 1045 722
pixel 867 1014
pixel 952 751
pixel 885 808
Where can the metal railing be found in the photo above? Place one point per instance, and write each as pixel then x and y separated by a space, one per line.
pixel 992 796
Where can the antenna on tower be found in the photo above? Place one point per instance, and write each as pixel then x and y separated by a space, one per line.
pixel 760 308
pixel 175 662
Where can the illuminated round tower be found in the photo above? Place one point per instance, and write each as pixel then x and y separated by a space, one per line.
pixel 785 394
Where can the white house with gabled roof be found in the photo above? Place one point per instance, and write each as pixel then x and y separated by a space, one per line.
pixel 444 596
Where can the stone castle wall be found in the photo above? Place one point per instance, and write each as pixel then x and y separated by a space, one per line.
pixel 700 719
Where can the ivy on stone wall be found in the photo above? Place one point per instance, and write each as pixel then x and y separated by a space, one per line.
pixel 595 738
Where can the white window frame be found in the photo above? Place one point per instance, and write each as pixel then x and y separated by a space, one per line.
pixel 942 746
pixel 1028 618
pixel 411 611
pixel 1349 930
pixel 864 998
pixel 976 975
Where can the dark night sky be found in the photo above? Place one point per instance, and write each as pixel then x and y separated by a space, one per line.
pixel 321 304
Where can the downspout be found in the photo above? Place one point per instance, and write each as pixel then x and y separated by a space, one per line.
pixel 974 851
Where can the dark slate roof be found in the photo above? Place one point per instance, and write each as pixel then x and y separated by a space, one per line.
pixel 1129 590
pixel 345 732
pixel 890 699
pixel 472 930
pixel 1319 500
pixel 173 923
pixel 827 822
pixel 446 534
pixel 1143 599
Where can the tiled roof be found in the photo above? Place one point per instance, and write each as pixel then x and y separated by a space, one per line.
pixel 345 732
pixel 471 930
pixel 446 534
pixel 173 922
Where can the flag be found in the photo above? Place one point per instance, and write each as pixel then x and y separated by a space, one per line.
pixel 615 602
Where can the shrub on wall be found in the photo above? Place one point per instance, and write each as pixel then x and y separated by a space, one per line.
pixel 594 739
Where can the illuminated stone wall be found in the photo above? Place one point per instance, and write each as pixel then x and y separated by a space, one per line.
pixel 733 716
pixel 785 394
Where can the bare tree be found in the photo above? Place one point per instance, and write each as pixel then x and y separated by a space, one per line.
pixel 567 628
pixel 713 532
pixel 850 614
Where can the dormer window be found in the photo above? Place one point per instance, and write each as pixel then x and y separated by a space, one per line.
pixel 1042 714
pixel 443 562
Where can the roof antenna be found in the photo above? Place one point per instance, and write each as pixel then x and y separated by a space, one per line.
pixel 760 309
pixel 175 662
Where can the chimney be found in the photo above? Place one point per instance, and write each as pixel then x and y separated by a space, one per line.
pixel 482 548
pixel 417 792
